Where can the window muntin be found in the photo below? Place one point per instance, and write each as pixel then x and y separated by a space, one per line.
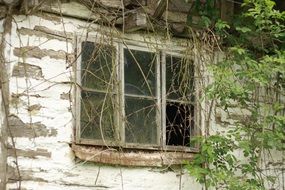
pixel 141 96
pixel 179 100
pixel 98 94
pixel 140 72
pixel 97 116
pixel 143 100
pixel 179 123
pixel 179 78
pixel 140 125
pixel 97 64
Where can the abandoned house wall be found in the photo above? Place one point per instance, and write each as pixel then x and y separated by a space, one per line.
pixel 3 151
pixel 41 118
pixel 3 135
pixel 39 53
pixel 3 108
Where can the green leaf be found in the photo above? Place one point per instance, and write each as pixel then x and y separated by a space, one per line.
pixel 243 29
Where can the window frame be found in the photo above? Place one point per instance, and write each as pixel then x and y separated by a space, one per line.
pixel 123 95
pixel 78 89
pixel 119 114
pixel 197 120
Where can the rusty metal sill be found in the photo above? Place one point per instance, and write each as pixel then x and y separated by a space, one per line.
pixel 128 157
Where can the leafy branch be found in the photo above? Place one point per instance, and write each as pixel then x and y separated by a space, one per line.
pixel 252 78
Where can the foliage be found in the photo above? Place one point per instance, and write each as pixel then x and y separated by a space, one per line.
pixel 206 11
pixel 250 78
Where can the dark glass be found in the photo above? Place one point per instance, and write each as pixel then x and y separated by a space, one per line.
pixel 141 124
pixel 93 107
pixel 179 123
pixel 179 78
pixel 97 65
pixel 140 77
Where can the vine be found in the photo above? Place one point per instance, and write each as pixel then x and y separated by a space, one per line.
pixel 250 78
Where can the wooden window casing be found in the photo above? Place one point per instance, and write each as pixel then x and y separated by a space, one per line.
pixel 120 95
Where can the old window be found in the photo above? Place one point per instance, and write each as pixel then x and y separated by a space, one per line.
pixel 134 96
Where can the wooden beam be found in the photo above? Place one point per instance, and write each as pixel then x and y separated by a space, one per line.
pixel 130 158
pixel 75 10
pixel 4 102
pixel 115 4
pixel 135 21
pixel 3 142
pixel 176 17
pixel 180 5
pixel 160 9
pixel 111 3
pixel 10 2
pixel 137 3
pixel 227 10
pixel 3 11
pixel 178 28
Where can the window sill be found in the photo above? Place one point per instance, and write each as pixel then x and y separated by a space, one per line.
pixel 130 157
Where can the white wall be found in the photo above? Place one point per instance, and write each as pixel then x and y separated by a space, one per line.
pixel 42 119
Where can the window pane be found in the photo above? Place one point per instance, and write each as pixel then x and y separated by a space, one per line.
pixel 179 124
pixel 179 78
pixel 97 65
pixel 141 124
pixel 93 107
pixel 140 77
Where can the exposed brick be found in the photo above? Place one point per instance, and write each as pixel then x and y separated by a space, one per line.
pixel 31 32
pixel 29 153
pixel 27 70
pixel 20 129
pixel 35 107
pixel 64 96
pixel 13 175
pixel 51 17
pixel 36 52
pixel 54 33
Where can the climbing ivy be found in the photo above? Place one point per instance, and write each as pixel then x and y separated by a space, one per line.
pixel 250 78
pixel 205 10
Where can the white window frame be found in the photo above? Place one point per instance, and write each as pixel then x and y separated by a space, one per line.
pixel 164 100
pixel 158 101
pixel 119 114
pixel 78 89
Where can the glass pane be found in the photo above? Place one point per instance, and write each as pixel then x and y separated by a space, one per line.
pixel 97 65
pixel 141 124
pixel 93 107
pixel 140 77
pixel 179 78
pixel 179 123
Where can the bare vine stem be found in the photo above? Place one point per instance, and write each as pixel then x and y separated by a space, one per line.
pixel 5 98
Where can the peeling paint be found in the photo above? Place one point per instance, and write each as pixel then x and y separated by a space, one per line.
pixel 36 52
pixel 27 70
pixel 65 96
pixel 44 32
pixel 30 130
pixel 42 122
pixel 54 33
pixel 29 153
